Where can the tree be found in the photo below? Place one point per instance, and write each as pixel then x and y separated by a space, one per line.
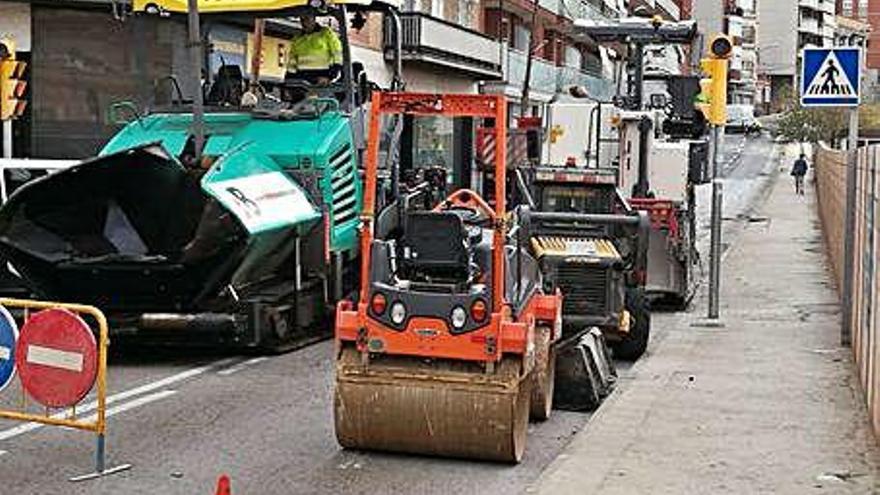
pixel 812 125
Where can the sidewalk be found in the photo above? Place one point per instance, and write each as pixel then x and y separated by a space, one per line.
pixel 768 404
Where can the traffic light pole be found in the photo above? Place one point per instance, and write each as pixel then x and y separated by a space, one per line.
pixel 715 243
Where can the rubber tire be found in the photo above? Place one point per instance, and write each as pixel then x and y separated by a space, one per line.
pixel 636 342
pixel 543 377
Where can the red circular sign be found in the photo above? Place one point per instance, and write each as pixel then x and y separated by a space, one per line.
pixel 56 357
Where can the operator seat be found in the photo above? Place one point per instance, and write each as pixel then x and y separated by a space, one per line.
pixel 435 246
pixel 228 87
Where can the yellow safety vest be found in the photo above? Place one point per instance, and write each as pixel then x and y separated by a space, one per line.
pixel 315 51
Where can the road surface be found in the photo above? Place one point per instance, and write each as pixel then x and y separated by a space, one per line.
pixel 183 418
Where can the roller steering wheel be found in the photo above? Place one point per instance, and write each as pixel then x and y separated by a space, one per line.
pixel 467 200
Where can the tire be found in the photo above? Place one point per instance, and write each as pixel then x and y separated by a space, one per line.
pixel 543 376
pixel 636 342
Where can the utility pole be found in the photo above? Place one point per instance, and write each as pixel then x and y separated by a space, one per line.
pixel 195 50
pixel 530 49
pixel 257 56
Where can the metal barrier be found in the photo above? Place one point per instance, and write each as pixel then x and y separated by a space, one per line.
pixel 27 352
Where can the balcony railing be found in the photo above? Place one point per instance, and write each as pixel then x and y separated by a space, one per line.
pixel 671 8
pixel 550 79
pixel 543 74
pixel 581 9
pixel 431 40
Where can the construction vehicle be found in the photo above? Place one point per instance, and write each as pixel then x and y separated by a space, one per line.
pixel 662 153
pixel 592 246
pixel 248 239
pixel 448 348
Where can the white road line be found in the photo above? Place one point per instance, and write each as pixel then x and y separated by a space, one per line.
pixel 119 397
pixel 140 401
pixel 29 427
pixel 55 358
pixel 242 365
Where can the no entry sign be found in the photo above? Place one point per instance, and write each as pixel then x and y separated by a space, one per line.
pixel 8 337
pixel 56 356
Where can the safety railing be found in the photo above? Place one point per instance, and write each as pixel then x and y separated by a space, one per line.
pixel 58 363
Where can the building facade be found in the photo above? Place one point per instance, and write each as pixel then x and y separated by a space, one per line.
pixel 84 57
pixel 558 60
pixel 784 29
pixel 737 19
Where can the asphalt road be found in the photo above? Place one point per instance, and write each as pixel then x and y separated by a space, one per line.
pixel 184 418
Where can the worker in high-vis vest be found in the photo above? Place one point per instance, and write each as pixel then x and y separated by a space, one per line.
pixel 316 55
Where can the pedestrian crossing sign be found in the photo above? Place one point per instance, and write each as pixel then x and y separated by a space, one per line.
pixel 830 77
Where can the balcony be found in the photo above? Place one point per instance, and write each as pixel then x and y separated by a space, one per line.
pixel 597 10
pixel 810 25
pixel 543 76
pixel 809 4
pixel 671 8
pixel 548 79
pixel 430 40
pixel 597 88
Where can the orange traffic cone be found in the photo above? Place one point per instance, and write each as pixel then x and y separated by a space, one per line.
pixel 223 486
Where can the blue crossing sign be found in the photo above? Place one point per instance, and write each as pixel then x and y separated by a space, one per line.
pixel 8 338
pixel 830 77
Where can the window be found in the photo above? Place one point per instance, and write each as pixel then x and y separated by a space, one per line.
pixel 520 37
pixel 437 7
pixel 573 57
pixel 465 14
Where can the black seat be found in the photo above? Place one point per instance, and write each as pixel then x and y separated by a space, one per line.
pixel 435 246
pixel 228 87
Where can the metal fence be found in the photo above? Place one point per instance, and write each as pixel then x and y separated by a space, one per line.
pixel 830 167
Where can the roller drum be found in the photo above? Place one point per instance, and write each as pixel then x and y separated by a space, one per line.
pixel 432 407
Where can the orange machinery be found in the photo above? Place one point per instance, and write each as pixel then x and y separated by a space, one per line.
pixel 449 348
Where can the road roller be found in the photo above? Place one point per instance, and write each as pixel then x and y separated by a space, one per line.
pixel 447 347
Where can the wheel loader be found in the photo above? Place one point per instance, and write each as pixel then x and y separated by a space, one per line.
pixel 448 347
pixel 247 240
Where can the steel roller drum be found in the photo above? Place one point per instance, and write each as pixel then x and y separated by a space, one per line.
pixel 432 407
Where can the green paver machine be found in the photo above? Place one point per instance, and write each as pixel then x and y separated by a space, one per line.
pixel 245 240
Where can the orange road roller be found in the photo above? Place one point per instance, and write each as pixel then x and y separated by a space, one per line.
pixel 447 349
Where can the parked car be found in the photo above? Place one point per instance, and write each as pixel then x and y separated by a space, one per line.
pixel 741 119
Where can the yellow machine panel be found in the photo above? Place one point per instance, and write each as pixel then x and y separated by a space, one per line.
pixel 563 246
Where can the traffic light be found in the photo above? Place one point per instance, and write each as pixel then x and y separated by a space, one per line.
pixel 12 83
pixel 713 96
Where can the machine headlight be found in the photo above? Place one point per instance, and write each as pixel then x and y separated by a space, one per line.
pixel 459 317
pixel 398 313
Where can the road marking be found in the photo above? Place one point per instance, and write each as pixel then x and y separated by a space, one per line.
pixel 240 366
pixel 119 397
pixel 140 401
pixel 5 353
pixel 55 358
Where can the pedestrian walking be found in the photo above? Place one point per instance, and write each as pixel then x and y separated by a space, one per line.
pixel 798 171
